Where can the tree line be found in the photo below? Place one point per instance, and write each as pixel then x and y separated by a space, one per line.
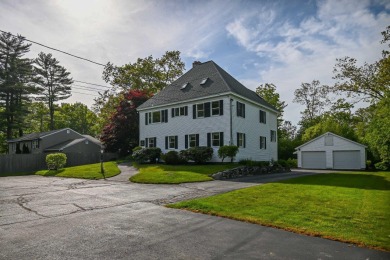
pixel 115 120
pixel 24 81
pixel 331 108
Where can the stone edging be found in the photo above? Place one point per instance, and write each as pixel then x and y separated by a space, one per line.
pixel 243 171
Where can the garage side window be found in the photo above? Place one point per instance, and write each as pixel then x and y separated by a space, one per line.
pixel 329 140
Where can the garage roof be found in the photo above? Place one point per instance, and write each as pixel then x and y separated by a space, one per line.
pixel 329 133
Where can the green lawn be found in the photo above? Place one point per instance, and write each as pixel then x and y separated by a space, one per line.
pixel 349 206
pixel 175 174
pixel 88 171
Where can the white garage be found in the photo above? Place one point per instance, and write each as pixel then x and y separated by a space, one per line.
pixel 331 151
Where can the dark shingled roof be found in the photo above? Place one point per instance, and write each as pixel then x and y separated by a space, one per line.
pixel 33 136
pixel 218 82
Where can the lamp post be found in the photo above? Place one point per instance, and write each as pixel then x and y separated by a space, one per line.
pixel 101 161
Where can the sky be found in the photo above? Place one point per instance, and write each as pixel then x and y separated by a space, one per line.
pixel 281 42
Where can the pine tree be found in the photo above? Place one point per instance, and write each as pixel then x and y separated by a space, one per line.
pixel 53 81
pixel 15 83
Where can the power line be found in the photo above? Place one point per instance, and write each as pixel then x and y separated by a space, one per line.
pixel 67 53
pixel 89 94
pixel 91 83
pixel 86 87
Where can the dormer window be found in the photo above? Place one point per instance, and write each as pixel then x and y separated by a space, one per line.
pixel 204 81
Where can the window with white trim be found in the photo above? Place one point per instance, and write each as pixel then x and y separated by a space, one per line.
pixel 172 142
pixel 263 116
pixel 160 116
pixel 273 136
pixel 150 142
pixel 200 110
pixel 263 142
pixel 215 108
pixel 215 139
pixel 240 109
pixel 179 111
pixel 192 140
pixel 241 142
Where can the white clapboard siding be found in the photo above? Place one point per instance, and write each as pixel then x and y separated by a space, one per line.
pixel 186 125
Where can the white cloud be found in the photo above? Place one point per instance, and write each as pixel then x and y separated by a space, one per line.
pixel 308 51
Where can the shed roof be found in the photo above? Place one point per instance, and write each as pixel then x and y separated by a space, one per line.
pixel 203 80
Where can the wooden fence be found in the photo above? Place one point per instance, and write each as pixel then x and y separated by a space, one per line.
pixel 12 163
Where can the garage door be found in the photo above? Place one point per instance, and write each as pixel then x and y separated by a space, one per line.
pixel 313 160
pixel 346 160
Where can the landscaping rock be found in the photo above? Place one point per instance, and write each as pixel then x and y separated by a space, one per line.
pixel 243 171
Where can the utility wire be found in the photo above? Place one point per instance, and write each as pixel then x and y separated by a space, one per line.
pixel 67 53
pixel 91 83
pixel 86 87
pixel 89 94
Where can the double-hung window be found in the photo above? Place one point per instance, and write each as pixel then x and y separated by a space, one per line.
pixel 215 139
pixel 240 109
pixel 263 116
pixel 191 140
pixel 215 108
pixel 200 110
pixel 273 136
pixel 179 111
pixel 171 142
pixel 263 142
pixel 160 116
pixel 150 142
pixel 241 140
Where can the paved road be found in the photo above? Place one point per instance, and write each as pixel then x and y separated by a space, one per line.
pixel 59 218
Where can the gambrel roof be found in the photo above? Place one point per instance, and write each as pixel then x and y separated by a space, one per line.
pixel 203 80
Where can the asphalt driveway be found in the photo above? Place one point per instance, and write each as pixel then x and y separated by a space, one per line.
pixel 59 218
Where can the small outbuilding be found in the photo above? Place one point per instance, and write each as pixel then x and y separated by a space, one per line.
pixel 331 151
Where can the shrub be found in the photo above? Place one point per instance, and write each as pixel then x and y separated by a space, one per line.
pixel 262 164
pixel 173 157
pixel 151 154
pixel 292 163
pixel 197 154
pixel 56 161
pixel 382 166
pixel 282 163
pixel 247 162
pixel 227 151
pixel 136 148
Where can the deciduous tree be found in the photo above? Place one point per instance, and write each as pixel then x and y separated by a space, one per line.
pixel 122 133
pixel 146 74
pixel 314 97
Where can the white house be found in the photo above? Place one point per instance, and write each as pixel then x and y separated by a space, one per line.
pixel 208 107
pixel 330 151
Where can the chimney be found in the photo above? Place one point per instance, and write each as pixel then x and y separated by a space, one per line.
pixel 196 63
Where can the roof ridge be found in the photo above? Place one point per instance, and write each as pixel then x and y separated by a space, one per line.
pixel 219 73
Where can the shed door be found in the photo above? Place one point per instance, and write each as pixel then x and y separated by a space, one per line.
pixel 346 160
pixel 314 160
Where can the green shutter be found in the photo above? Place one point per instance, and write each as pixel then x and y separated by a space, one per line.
pixel 221 107
pixel 221 143
pixel 194 111
pixel 207 108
